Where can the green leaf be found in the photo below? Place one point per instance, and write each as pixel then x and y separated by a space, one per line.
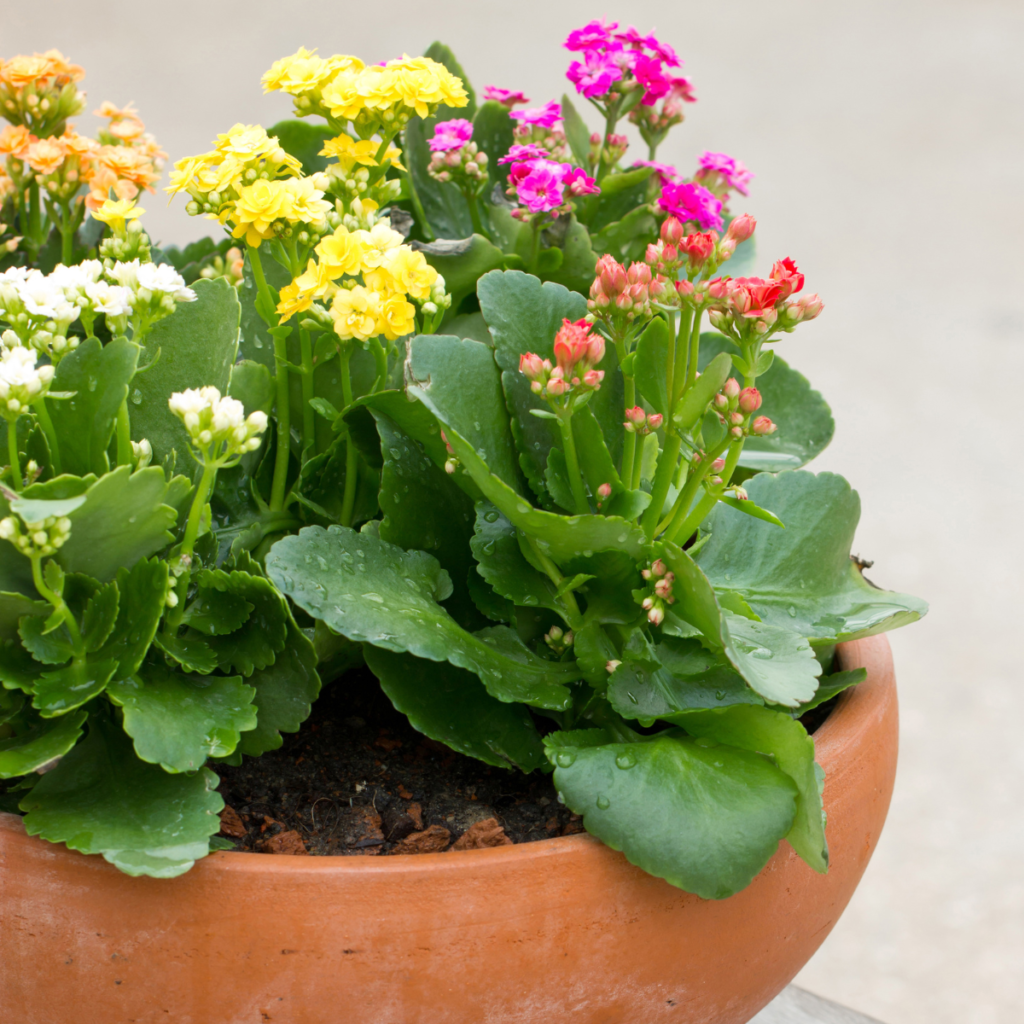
pixel 256 642
pixel 610 593
pixel 695 402
pixel 252 384
pixel 18 670
pixel 303 141
pixel 524 315
pixel 13 607
pixel 493 132
pixel 376 593
pixel 192 654
pixel 556 480
pixel 471 326
pixel 449 705
pixel 787 743
pixel 198 345
pixel 322 481
pixel 215 612
pixel 59 692
pixel 255 342
pixel 748 508
pixel 35 510
pixel 802 578
pixel 685 678
pixel 443 55
pixel 777 662
pixel 577 134
pixel 177 721
pixel 462 263
pixel 594 649
pixel 99 374
pixel 620 195
pixel 424 508
pixel 143 595
pixel 100 617
pixel 801 414
pixel 460 384
pixel 285 691
pixel 39 744
pixel 831 686
pixel 595 459
pixel 650 362
pixel 627 239
pixel 576 268
pixel 102 799
pixel 126 517
pixel 51 647
pixel 706 818
pixel 503 565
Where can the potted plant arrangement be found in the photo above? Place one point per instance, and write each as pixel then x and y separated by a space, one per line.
pixel 473 398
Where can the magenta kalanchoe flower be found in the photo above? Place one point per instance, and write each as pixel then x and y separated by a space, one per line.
pixel 691 203
pixel 541 188
pixel 666 173
pixel 732 171
pixel 649 74
pixel 577 182
pixel 543 117
pixel 593 34
pixel 517 154
pixel 451 134
pixel 595 75
pixel 506 97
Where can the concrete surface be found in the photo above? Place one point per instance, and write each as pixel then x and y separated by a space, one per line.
pixel 887 140
pixel 797 1006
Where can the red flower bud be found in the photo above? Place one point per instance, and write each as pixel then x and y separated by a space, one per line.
pixel 789 277
pixel 636 416
pixel 718 464
pixel 639 273
pixel 604 491
pixel 762 426
pixel 612 275
pixel 655 420
pixel 741 228
pixel 699 247
pixel 684 288
pixel 731 388
pixel 593 378
pixel 672 231
pixel 750 400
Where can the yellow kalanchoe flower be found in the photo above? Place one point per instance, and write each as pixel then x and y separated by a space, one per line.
pixel 396 317
pixel 341 252
pixel 355 313
pixel 410 271
pixel 304 71
pixel 115 213
pixel 415 82
pixel 377 243
pixel 257 207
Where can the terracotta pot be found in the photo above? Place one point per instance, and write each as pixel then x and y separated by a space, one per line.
pixel 548 931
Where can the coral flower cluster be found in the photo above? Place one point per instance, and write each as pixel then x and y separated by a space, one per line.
pixel 577 350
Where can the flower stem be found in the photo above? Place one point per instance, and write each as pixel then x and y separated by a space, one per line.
pixel 535 244
pixel 348 500
pixel 629 441
pixel 572 464
pixel 683 530
pixel 58 603
pixel 283 452
pixel 686 495
pixel 417 206
pixel 35 225
pixel 694 352
pixel 662 482
pixel 188 542
pixel 474 213
pixel 43 414
pixel 124 435
pixel 12 453
pixel 308 415
pixel 572 608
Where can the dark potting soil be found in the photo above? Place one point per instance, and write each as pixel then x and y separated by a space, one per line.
pixel 358 780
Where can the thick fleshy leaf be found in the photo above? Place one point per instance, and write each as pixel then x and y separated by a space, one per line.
pixel 424 508
pixel 594 649
pixel 102 799
pixel 493 132
pixel 67 688
pixel 803 417
pixel 458 381
pixel 126 517
pixel 609 594
pixel 576 271
pixel 831 686
pixel 374 592
pixel 100 616
pixel 198 344
pixel 99 375
pixel 650 361
pixel 285 691
pixel 802 578
pixel 686 678
pixel 14 607
pixel 255 643
pixel 39 744
pixel 215 611
pixel 451 706
pixel 776 661
pixel 503 565
pixel 177 721
pixel 524 315
pixel 191 653
pixel 627 239
pixel 462 262
pixel 143 596
pixel 621 194
pixel 786 741
pixel 703 816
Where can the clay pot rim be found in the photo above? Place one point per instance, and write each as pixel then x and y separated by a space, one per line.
pixel 853 714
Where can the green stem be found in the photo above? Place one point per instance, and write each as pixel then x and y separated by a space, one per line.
pixel 283 452
pixel 694 352
pixel 67 240
pixel 380 357
pixel 124 435
pixel 257 270
pixel 188 543
pixel 689 491
pixel 662 482
pixel 572 464
pixel 535 244
pixel 12 453
pixel 351 456
pixel 417 208
pixel 572 609
pixel 610 120
pixel 43 415
pixel 684 530
pixel 672 371
pixel 474 213
pixel 35 225
pixel 58 603
pixel 629 442
pixel 308 415
pixel 634 480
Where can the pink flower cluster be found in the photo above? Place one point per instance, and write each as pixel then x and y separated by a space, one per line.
pixel 759 304
pixel 506 97
pixel 548 116
pixel 654 603
pixel 577 353
pixel 620 293
pixel 665 173
pixel 734 407
pixel 452 134
pixel 719 171
pixel 543 185
pixel 691 203
pixel 610 56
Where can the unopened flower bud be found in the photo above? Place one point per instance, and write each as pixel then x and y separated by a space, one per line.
pixel 750 400
pixel 636 416
pixel 611 666
pixel 741 493
pixel 656 616
pixel 741 228
pixel 731 388
pixel 604 491
pixel 655 420
pixel 763 426
pixel 672 231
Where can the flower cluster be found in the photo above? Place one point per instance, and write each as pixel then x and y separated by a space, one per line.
pixel 639 422
pixel 747 308
pixel 657 593
pixel 36 539
pixel 559 640
pixel 456 158
pixel 720 173
pixel 40 91
pixel 700 252
pixel 623 61
pixel 544 186
pixel 217 426
pixel 619 295
pixel 577 354
pixel 541 127
pixel 691 203
pixel 506 97
pixel 734 407
pixel 22 383
pixel 39 308
pixel 343 88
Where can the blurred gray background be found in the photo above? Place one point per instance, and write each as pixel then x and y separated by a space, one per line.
pixel 887 141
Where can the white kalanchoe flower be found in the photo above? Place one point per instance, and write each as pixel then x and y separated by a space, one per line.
pixel 125 274
pixel 111 299
pixel 38 539
pixel 21 381
pixel 142 451
pixel 215 421
pixel 165 280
